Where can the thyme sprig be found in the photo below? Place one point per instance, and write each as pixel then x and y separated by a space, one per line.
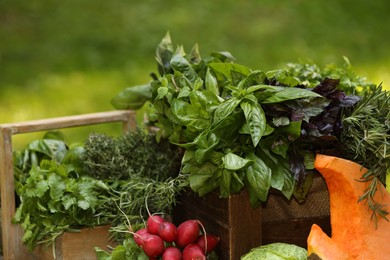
pixel 366 136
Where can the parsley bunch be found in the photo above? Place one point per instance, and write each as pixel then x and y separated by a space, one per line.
pixel 55 199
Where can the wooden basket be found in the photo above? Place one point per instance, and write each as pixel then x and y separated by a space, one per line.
pixel 13 248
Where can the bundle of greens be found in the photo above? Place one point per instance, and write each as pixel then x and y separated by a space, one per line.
pixel 134 153
pixel 63 187
pixel 53 196
pixel 244 127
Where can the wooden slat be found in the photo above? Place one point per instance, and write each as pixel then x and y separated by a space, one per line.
pixel 7 194
pixel 77 245
pixel 245 225
pixel 125 116
pixel 13 248
pixel 233 219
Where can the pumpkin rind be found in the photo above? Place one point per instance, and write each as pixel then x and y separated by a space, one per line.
pixel 353 230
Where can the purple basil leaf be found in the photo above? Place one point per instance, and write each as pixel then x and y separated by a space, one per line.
pixel 327 87
pixel 349 101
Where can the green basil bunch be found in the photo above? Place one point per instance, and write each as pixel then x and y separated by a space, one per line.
pixel 239 127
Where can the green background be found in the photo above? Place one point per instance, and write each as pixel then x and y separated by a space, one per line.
pixel 61 58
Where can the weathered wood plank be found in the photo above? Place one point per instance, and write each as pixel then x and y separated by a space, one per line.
pixel 126 116
pixel 77 245
pixel 233 219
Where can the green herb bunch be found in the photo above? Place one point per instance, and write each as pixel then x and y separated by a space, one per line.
pixel 366 136
pixel 134 153
pixel 54 199
pixel 243 127
pixel 55 193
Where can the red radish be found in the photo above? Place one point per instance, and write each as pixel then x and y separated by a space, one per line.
pixel 193 252
pixel 167 231
pixel 153 245
pixel 139 235
pixel 171 253
pixel 207 242
pixel 153 224
pixel 187 232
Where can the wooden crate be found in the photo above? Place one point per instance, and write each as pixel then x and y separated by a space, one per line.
pixel 290 222
pixel 233 219
pixel 77 245
pixel 13 248
pixel 240 226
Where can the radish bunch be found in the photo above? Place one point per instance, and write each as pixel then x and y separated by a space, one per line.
pixel 161 239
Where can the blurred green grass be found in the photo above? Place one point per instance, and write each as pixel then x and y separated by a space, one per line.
pixel 71 57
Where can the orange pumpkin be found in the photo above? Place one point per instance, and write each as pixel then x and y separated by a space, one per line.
pixel 354 234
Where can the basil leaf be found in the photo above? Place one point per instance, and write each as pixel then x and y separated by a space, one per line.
pixel 234 162
pixel 302 189
pixel 190 115
pixel 223 71
pixel 236 183
pixel 198 180
pixel 210 185
pixel 132 97
pixel 194 56
pixel 211 82
pixel 255 119
pixel 258 175
pixel 162 92
pixel 207 99
pixel 164 54
pixel 228 129
pixel 224 182
pixel 225 109
pixel 181 64
pixel 206 142
pixel 223 56
pixel 289 93
pixel 288 186
pixel 199 174
pixel 278 166
pixel 280 121
pixel 256 77
pixel 184 92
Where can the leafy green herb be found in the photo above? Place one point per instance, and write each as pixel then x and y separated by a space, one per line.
pixel 135 197
pixel 54 199
pixel 366 135
pixel 242 127
pixel 134 153
pixel 128 250
pixel 56 194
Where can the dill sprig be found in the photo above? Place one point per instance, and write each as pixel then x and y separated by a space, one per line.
pixel 366 137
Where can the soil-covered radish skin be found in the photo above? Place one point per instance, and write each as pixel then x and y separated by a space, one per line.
pixel 172 253
pixel 187 232
pixel 153 224
pixel 193 252
pixel 153 245
pixel 207 242
pixel 167 231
